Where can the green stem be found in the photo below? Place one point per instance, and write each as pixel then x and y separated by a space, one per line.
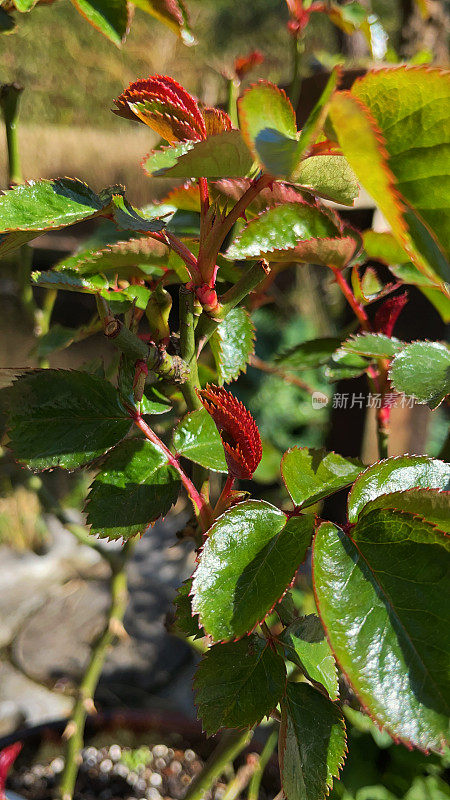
pixel 43 318
pixel 246 284
pixel 298 49
pixel 229 747
pixel 233 93
pixel 269 747
pixel 9 102
pixel 157 359
pixel 85 702
pixel 188 349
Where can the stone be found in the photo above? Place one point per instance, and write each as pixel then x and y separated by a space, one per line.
pixel 34 703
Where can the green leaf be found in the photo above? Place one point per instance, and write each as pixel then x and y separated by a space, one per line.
pixel 313 353
pixel 110 17
pixel 129 219
pixel 422 370
pixel 268 125
pixel 238 683
pixel 399 151
pixel 396 474
pixel 373 345
pixel 185 621
pixel 305 644
pixel 37 206
pixel 197 438
pixel 249 558
pixel 154 401
pixel 172 13
pixel 310 475
pixel 24 5
pixel 314 123
pixel 344 365
pixel 328 176
pixel 135 486
pixel 431 504
pixel 64 418
pixel 383 246
pixel 438 296
pixel 232 344
pixel 132 257
pixel 312 743
pixel 224 155
pixel 295 232
pixel 70 281
pixel 57 338
pixel 380 597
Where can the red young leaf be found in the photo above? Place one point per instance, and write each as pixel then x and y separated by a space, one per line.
pixel 7 757
pixel 244 64
pixel 163 105
pixel 388 313
pixel 216 121
pixel 237 428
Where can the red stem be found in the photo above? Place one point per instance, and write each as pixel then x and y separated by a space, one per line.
pixel 238 210
pixel 200 505
pixel 351 299
pixel 204 195
pixel 179 248
pixel 222 501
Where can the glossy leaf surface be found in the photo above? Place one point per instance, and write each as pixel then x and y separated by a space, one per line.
pixel 186 622
pixel 223 155
pixel 379 595
pixel 306 645
pixel 119 257
pixel 136 485
pixel 64 418
pixel 232 344
pixel 431 504
pixel 312 743
pixel 310 475
pixel 422 370
pixel 197 438
pixel 249 558
pixel 396 474
pixel 374 345
pixel 295 232
pixel 37 206
pixel 238 683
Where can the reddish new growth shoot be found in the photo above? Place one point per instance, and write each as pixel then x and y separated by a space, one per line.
pixel 7 758
pixel 388 313
pixel 237 428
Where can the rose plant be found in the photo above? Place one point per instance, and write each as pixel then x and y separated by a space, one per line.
pixel 257 199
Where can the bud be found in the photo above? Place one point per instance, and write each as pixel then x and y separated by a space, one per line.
pixel 237 428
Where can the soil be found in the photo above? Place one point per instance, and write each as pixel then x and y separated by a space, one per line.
pixel 120 773
pixel 115 773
